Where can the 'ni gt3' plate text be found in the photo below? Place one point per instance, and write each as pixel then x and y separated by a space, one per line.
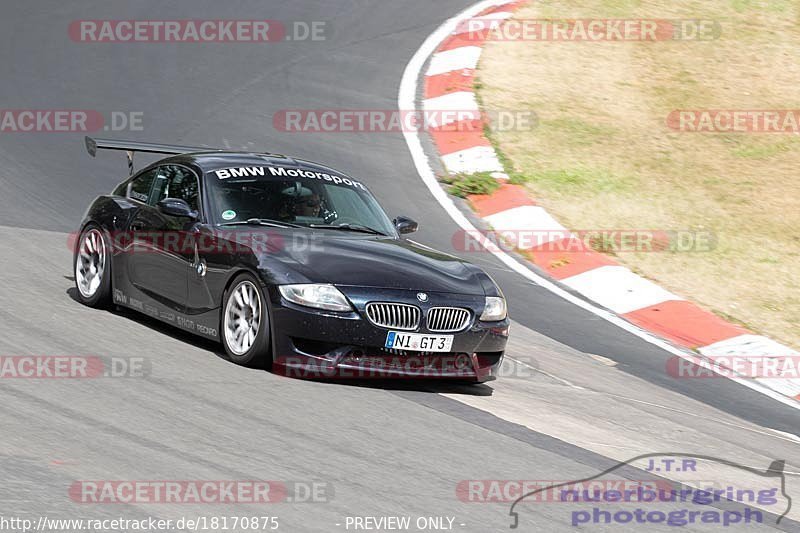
pixel 418 342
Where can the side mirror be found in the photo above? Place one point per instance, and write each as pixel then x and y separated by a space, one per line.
pixel 405 225
pixel 176 207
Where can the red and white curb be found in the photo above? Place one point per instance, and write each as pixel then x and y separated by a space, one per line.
pixel 448 85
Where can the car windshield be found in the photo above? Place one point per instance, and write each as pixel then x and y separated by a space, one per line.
pixel 275 195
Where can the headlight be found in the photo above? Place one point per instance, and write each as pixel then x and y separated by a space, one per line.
pixel 318 296
pixel 495 309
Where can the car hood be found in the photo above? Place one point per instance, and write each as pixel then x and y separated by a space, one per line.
pixel 367 261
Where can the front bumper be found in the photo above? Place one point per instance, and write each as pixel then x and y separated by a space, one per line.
pixel 310 343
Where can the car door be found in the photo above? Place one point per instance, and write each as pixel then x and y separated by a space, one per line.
pixel 162 251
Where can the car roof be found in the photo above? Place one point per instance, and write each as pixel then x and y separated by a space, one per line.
pixel 210 161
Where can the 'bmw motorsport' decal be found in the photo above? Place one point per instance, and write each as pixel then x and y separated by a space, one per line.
pixel 247 172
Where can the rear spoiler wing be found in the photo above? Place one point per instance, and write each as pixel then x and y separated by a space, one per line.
pixel 131 147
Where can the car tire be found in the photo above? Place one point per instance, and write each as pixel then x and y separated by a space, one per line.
pixel 245 323
pixel 92 268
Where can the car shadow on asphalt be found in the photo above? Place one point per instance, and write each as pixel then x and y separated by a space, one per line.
pixel 432 386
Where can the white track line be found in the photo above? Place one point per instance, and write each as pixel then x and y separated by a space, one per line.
pixel 618 289
pixel 475 159
pixel 406 99
pixel 462 58
pixel 463 101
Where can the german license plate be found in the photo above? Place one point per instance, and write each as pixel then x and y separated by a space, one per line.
pixel 418 342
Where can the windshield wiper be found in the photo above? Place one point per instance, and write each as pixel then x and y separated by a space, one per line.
pixel 349 227
pixel 262 222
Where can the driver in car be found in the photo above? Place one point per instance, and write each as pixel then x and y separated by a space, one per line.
pixel 308 206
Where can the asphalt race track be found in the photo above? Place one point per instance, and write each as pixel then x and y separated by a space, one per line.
pixel 580 393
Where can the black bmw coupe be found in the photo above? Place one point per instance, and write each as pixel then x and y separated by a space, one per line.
pixel 290 264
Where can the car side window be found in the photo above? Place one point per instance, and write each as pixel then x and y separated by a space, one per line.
pixel 139 188
pixel 121 189
pixel 160 188
pixel 175 181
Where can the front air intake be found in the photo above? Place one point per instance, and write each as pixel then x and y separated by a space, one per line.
pixel 448 319
pixel 394 315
